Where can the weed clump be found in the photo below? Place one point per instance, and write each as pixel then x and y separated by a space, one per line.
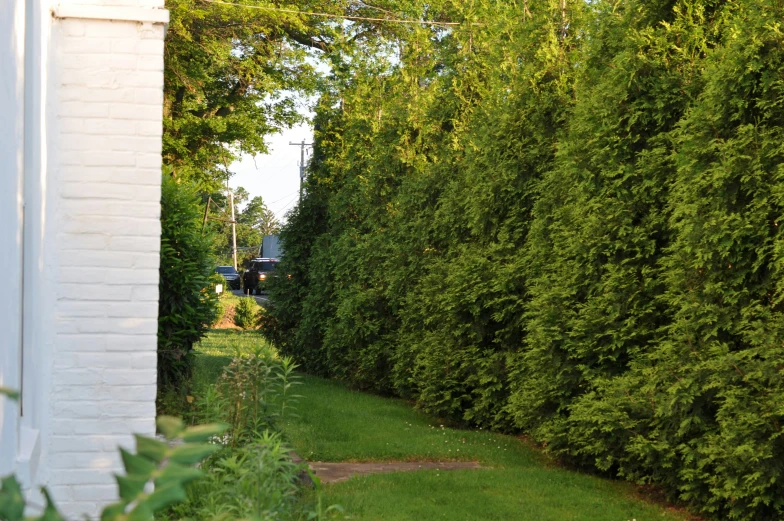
pixel 246 313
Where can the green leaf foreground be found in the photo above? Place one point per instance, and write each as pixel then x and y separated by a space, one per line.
pixel 9 393
pixel 164 468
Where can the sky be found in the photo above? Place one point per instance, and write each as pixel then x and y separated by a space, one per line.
pixel 274 176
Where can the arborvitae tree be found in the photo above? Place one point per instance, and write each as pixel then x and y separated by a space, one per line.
pixel 600 225
pixel 302 293
pixel 700 412
pixel 563 224
pixel 463 319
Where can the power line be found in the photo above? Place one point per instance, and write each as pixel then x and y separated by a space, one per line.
pixel 340 16
pixel 280 213
pixel 282 198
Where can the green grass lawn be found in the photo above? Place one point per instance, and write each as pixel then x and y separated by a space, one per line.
pixel 504 494
pixel 216 350
pixel 337 424
pixel 520 483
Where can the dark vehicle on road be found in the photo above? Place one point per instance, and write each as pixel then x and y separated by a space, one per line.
pixel 259 272
pixel 231 276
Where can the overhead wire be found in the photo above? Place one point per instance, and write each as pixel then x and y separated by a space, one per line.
pixel 284 197
pixel 340 16
pixel 280 213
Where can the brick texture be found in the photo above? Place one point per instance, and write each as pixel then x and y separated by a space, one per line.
pixel 107 111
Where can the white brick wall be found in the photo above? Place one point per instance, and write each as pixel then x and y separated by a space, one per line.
pixel 80 160
pixel 105 164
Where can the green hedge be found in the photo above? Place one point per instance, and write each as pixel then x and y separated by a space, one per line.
pixel 563 222
pixel 187 302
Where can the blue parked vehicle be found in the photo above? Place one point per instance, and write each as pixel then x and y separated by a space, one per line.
pixel 233 279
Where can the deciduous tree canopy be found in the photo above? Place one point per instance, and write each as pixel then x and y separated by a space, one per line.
pixel 234 73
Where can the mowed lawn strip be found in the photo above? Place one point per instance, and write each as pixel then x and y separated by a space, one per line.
pixel 510 494
pixel 337 424
pixel 217 349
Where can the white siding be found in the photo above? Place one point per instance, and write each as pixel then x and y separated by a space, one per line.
pixel 85 153
pixel 12 25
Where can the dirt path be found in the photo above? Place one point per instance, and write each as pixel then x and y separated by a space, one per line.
pixel 336 472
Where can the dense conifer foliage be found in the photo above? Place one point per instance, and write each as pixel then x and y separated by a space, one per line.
pixel 187 302
pixel 561 218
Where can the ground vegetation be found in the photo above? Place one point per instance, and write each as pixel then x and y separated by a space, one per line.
pixel 515 480
pixel 240 381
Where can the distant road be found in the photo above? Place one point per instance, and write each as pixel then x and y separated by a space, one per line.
pixel 261 299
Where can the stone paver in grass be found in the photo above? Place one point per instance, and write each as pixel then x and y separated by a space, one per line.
pixel 336 472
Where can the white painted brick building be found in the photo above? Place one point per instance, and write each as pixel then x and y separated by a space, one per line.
pixel 81 94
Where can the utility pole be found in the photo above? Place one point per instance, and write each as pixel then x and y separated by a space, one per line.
pixel 233 221
pixel 233 230
pixel 206 213
pixel 301 163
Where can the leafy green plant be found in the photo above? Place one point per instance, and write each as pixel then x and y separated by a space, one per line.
pixel 166 465
pixel 256 480
pixel 12 503
pixel 246 385
pixel 246 313
pixel 286 382
pixel 253 475
pixel 10 393
pixel 321 511
pixel 253 392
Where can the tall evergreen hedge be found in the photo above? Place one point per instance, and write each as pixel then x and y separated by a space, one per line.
pixel 187 303
pixel 562 221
